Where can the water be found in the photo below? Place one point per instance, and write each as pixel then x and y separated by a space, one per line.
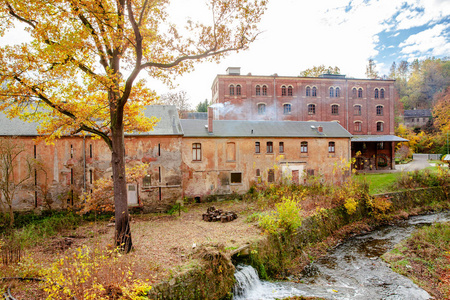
pixel 352 270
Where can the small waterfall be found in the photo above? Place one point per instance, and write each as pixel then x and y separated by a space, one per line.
pixel 246 279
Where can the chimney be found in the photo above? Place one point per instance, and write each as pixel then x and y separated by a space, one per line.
pixel 234 71
pixel 210 119
pixel 320 128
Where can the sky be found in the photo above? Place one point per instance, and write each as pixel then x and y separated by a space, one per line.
pixel 298 34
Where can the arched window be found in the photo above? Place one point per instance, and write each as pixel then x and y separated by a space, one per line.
pixel 238 90
pixel 331 147
pixel 354 93
pixel 376 95
pixel 314 92
pixel 304 147
pixel 258 90
pixel 283 91
pixel 231 90
pixel 357 110
pixel 264 90
pixel 382 93
pixel 308 91
pixel 380 127
pixel 358 126
pixel 311 109
pixel 331 92
pixel 287 109
pixel 334 109
pixel 289 90
pixel 379 110
pixel 360 90
pixel 338 92
pixel 261 109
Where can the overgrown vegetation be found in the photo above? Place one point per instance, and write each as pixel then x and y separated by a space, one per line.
pixel 425 258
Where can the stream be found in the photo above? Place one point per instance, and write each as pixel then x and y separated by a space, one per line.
pixel 352 270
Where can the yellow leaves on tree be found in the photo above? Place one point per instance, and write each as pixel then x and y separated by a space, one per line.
pixel 81 68
pixel 441 110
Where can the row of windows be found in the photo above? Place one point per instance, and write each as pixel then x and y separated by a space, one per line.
pixel 287 109
pixel 358 126
pixel 303 147
pixel 197 149
pixel 310 91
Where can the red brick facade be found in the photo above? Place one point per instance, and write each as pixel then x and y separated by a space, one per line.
pixel 362 106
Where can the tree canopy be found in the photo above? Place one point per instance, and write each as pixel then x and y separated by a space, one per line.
pixel 80 70
pixel 316 71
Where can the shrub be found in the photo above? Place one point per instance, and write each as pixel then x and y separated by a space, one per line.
pixel 93 274
pixel 286 217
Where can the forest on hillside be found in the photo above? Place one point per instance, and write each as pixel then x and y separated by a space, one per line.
pixel 423 84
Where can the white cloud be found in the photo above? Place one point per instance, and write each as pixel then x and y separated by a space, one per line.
pixel 433 41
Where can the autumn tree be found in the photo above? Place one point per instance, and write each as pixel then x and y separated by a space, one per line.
pixel 316 71
pixel 80 70
pixel 441 111
pixel 179 99
pixel 371 71
pixel 11 178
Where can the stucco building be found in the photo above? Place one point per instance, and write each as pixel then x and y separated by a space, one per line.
pixel 71 165
pixel 187 158
pixel 229 156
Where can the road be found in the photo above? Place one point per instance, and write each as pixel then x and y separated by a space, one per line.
pixel 420 162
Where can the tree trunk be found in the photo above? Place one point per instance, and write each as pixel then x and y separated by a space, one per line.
pixel 11 215
pixel 123 231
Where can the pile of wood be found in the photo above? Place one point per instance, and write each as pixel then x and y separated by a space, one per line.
pixel 214 215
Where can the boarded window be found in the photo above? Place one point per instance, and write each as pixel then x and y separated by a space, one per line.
pixel 236 177
pixel 258 172
pixel 231 151
pixel 310 172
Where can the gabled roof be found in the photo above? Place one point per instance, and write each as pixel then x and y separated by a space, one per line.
pixel 417 113
pixel 169 123
pixel 238 128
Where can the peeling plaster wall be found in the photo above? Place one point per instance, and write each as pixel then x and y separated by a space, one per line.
pixel 60 178
pixel 212 175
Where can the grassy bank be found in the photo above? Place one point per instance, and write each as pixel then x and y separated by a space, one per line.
pixel 425 258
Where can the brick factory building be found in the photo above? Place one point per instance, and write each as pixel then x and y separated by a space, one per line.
pixel 365 107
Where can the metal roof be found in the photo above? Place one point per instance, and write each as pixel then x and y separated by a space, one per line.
pixel 446 157
pixel 239 128
pixel 169 123
pixel 377 138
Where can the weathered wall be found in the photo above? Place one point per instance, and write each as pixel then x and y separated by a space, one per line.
pixel 72 164
pixel 212 174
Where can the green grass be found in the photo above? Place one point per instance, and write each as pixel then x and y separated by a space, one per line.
pixel 379 182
